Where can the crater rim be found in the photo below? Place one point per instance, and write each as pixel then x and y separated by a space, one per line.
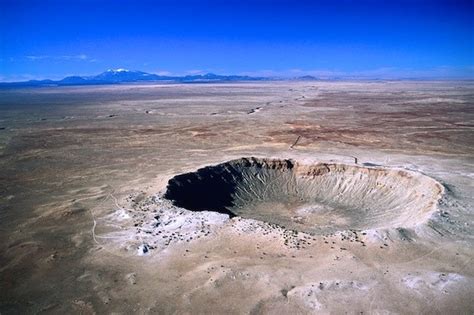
pixel 239 188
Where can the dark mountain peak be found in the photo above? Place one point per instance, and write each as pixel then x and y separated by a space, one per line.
pixel 211 75
pixel 73 80
pixel 307 78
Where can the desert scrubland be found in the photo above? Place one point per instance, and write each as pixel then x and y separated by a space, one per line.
pixel 265 197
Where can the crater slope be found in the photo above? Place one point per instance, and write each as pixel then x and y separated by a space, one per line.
pixel 316 198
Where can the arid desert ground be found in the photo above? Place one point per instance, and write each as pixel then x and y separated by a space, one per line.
pixel 238 198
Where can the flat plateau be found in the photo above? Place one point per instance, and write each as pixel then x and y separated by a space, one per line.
pixel 338 197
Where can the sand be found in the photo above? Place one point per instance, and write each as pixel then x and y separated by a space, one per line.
pixel 339 197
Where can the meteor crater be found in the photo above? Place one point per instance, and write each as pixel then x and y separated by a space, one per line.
pixel 316 198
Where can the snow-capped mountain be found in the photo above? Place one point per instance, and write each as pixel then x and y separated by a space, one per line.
pixel 124 75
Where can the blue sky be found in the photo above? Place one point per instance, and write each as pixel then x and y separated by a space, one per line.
pixel 419 38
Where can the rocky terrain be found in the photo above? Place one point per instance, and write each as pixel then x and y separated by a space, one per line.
pixel 256 197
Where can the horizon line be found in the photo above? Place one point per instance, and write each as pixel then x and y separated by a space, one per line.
pixel 377 74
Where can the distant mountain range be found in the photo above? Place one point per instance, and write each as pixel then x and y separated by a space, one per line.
pixel 117 76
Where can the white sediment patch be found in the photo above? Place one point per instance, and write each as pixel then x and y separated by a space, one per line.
pixel 433 100
pixel 317 296
pixel 118 215
pixel 432 281
pixel 154 224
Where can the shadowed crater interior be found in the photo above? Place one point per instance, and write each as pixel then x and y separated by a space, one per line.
pixel 317 197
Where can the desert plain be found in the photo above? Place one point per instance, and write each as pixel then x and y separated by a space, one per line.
pixel 278 197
